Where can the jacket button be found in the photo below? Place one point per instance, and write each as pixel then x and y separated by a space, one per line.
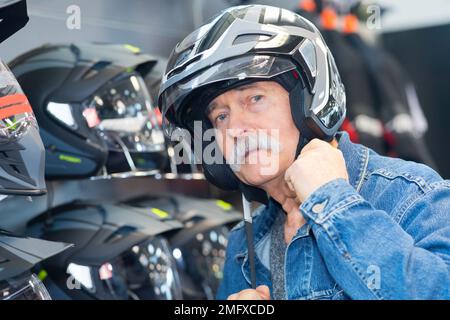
pixel 318 207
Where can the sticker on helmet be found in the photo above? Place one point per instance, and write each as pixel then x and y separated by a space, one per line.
pixel 13 105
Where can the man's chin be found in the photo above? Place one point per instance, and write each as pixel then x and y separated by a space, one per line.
pixel 255 175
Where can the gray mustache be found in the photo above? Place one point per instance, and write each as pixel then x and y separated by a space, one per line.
pixel 251 143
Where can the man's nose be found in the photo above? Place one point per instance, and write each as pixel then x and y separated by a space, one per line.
pixel 239 125
pixel 236 133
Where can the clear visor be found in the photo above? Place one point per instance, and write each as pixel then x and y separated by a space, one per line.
pixel 24 287
pixel 124 114
pixel 259 66
pixel 16 115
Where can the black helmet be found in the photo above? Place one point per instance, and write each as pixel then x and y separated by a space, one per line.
pixel 77 89
pixel 251 43
pixel 120 253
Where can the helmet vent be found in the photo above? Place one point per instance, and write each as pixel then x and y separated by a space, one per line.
pixel 251 37
pixel 181 68
pixel 93 71
pixel 11 161
pixel 15 169
pixel 120 234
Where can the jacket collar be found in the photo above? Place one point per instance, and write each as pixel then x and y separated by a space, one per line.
pixel 356 159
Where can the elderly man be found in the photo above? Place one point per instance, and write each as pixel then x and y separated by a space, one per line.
pixel 338 220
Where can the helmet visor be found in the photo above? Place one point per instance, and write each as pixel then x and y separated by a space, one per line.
pixel 23 287
pixel 16 115
pixel 245 67
pixel 123 112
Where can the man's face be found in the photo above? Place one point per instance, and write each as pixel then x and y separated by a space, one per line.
pixel 254 128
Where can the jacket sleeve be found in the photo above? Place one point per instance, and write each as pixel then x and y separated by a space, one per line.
pixel 223 292
pixel 228 284
pixel 370 255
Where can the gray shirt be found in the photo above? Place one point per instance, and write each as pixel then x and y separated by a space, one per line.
pixel 277 256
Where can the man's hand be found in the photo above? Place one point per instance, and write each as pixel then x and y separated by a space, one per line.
pixel 318 163
pixel 260 293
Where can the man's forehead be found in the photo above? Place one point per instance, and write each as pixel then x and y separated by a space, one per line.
pixel 254 85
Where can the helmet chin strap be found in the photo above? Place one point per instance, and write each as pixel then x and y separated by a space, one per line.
pixel 302 142
pixel 248 221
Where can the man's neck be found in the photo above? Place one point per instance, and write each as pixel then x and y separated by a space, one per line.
pixel 280 192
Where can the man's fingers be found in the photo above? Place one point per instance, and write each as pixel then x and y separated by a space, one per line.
pixel 289 183
pixel 264 291
pixel 313 144
pixel 233 296
pixel 261 293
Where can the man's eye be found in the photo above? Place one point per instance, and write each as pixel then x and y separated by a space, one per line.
pixel 221 117
pixel 256 98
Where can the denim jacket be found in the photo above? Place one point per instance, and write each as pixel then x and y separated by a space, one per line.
pixel 385 234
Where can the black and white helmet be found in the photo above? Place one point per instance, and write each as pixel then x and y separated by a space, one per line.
pixel 253 43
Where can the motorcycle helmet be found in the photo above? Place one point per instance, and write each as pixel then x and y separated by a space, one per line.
pixel 21 149
pixel 129 125
pixel 199 248
pixel 18 256
pixel 253 43
pixel 119 254
pixel 90 99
